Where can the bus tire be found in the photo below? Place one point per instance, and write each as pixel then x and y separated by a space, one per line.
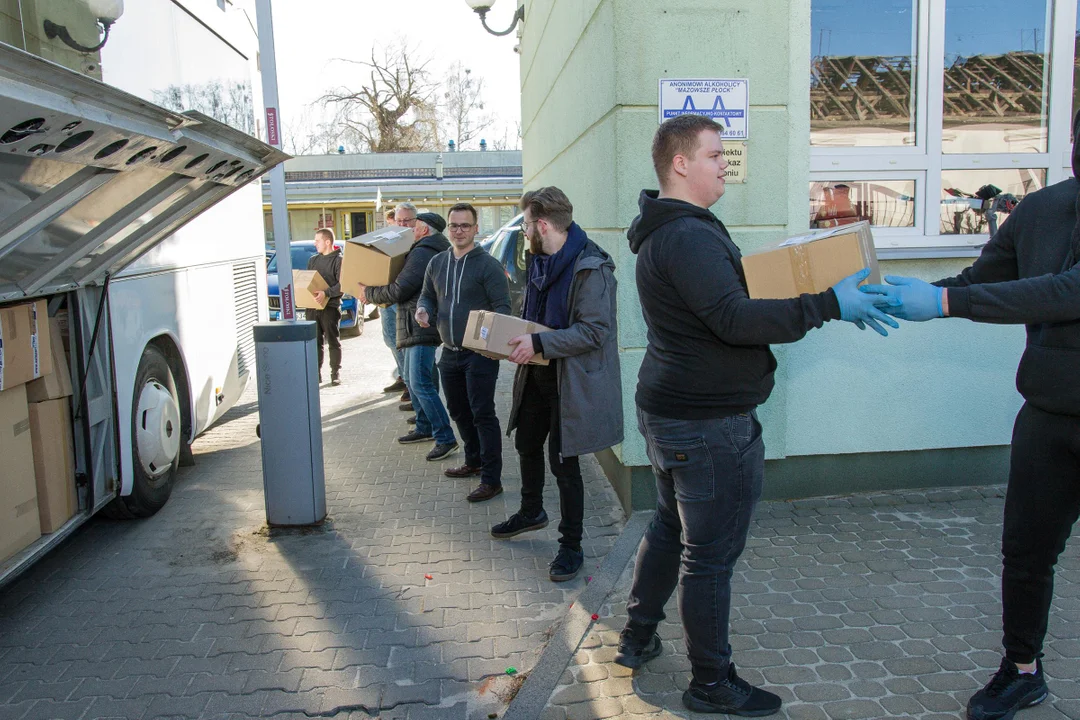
pixel 156 438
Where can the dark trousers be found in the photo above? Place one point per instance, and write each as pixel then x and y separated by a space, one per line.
pixel 708 480
pixel 468 383
pixel 1041 505
pixel 538 420
pixel 326 324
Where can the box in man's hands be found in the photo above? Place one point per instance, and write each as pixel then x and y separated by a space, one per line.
pixel 305 284
pixel 810 263
pixel 489 333
pixel 375 258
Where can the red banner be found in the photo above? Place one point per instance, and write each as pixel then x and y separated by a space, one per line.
pixel 272 127
pixel 287 310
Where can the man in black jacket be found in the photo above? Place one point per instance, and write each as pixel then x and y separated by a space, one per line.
pixel 1028 273
pixel 458 281
pixel 327 261
pixel 707 367
pixel 418 343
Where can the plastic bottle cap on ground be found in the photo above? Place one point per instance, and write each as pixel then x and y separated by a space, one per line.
pixel 595 616
pixel 427 577
pixel 511 670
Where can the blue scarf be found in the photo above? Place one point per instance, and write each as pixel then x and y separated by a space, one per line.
pixel 547 290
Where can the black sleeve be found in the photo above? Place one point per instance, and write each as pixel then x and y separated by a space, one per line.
pixel 996 263
pixel 406 285
pixel 497 287
pixel 335 287
pixel 1043 299
pixel 705 276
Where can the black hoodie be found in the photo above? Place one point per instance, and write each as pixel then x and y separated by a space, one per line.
pixel 329 266
pixel 708 353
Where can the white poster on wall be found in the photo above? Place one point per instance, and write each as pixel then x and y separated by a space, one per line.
pixel 725 101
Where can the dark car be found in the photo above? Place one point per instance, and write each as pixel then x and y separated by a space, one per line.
pixel 508 246
pixel 352 318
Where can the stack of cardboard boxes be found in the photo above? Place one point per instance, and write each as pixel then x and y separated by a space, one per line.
pixel 37 471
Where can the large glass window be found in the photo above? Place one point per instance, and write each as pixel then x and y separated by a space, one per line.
pixel 884 203
pixel 862 72
pixel 967 197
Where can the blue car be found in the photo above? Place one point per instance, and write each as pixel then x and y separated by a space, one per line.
pixel 508 246
pixel 352 317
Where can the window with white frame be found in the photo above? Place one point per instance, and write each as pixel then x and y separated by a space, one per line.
pixel 923 112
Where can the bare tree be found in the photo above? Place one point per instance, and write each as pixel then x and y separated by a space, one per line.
pixel 463 116
pixel 393 111
pixel 508 141
pixel 229 102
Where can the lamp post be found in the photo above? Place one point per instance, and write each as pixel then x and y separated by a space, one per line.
pixel 481 7
pixel 106 12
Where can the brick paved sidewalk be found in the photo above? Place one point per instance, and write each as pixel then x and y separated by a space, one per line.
pixel 200 612
pixel 870 606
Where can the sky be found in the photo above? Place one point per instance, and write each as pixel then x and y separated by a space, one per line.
pixel 310 34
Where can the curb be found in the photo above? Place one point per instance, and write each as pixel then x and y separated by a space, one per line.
pixel 568 633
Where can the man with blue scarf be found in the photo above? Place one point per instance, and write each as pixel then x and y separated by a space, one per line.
pixel 575 402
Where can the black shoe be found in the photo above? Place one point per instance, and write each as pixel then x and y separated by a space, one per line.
pixel 397 386
pixel 566 564
pixel 1008 691
pixel 518 523
pixel 442 450
pixel 411 420
pixel 637 646
pixel 732 696
pixel 406 397
pixel 335 380
pixel 415 437
pixel 406 407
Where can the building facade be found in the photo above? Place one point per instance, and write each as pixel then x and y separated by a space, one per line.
pixel 893 111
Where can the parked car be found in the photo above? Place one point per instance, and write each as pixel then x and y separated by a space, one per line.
pixel 508 246
pixel 352 317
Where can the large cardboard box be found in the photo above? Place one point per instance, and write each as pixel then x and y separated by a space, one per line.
pixel 54 463
pixel 56 384
pixel 375 258
pixel 305 284
pixel 810 263
pixel 19 523
pixel 24 343
pixel 489 333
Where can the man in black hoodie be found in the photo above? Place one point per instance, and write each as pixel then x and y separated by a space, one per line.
pixel 1028 273
pixel 327 261
pixel 707 367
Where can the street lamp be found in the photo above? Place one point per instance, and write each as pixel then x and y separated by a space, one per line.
pixel 107 12
pixel 481 7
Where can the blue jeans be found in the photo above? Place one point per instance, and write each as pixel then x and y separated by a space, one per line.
pixel 431 417
pixel 388 315
pixel 708 480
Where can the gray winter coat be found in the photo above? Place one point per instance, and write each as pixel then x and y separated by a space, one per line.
pixel 590 384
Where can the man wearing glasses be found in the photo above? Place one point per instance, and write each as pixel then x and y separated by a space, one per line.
pixel 458 281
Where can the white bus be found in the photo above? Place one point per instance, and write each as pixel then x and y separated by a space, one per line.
pixel 129 200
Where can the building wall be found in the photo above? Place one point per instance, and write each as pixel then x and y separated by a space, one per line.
pixel 589 77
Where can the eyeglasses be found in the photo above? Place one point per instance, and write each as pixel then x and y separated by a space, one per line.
pixel 455 227
pixel 410 221
pixel 526 223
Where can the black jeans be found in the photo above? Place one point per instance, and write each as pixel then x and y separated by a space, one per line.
pixel 326 324
pixel 468 383
pixel 538 420
pixel 708 480
pixel 1041 505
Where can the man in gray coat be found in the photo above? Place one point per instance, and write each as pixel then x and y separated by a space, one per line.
pixel 575 402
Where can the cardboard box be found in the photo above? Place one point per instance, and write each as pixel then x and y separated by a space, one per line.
pixel 305 284
pixel 19 523
pixel 375 258
pixel 54 463
pixel 56 384
pixel 24 344
pixel 810 263
pixel 489 333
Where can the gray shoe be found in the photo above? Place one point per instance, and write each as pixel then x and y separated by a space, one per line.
pixel 414 437
pixel 441 451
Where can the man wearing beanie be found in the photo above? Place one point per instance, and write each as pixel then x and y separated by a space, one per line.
pixel 419 342
pixel 1028 273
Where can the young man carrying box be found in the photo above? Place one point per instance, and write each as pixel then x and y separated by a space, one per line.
pixel 462 279
pixel 327 262
pixel 575 401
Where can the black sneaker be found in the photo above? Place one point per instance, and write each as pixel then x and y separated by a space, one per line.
pixel 414 437
pixel 566 564
pixel 406 407
pixel 442 450
pixel 1008 691
pixel 335 380
pixel 732 696
pixel 637 646
pixel 411 420
pixel 517 524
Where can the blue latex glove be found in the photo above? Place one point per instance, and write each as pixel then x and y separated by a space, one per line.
pixel 913 299
pixel 861 307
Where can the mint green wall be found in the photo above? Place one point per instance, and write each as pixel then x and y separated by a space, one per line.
pixel 589 74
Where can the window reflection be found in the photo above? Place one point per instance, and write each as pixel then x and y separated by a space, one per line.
pixel 862 73
pixel 884 203
pixel 973 202
pixel 996 76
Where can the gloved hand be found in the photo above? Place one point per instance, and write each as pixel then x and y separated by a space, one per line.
pixel 861 307
pixel 913 299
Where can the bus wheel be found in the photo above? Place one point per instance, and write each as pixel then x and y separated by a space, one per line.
pixel 155 438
